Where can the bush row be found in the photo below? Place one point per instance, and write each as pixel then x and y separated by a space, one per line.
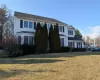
pixel 19 50
pixel 68 49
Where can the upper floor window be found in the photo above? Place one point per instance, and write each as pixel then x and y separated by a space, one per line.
pixel 30 24
pixel 48 26
pixel 42 24
pixel 70 32
pixel 25 24
pixel 61 28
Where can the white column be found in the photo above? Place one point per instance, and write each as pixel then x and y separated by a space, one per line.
pixel 22 39
pixel 82 44
pixel 75 44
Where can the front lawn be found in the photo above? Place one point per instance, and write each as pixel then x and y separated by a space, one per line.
pixel 57 66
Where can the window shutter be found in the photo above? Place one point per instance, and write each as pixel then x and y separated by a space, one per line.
pixel 63 28
pixel 34 25
pixel 21 23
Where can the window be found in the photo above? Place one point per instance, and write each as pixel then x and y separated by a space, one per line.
pixel 21 23
pixel 25 39
pixel 35 25
pixel 79 44
pixel 70 32
pixel 30 25
pixel 25 24
pixel 71 44
pixel 48 26
pixel 60 29
pixel 19 40
pixel 30 40
pixel 42 24
pixel 62 41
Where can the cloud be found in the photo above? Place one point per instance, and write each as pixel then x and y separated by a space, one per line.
pixel 94 31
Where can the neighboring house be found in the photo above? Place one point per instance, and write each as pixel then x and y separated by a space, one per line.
pixel 89 43
pixel 25 27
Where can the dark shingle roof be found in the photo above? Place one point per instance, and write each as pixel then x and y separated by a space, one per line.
pixel 30 16
pixel 25 32
pixel 76 37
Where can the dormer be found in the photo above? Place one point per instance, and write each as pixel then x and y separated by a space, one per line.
pixel 71 31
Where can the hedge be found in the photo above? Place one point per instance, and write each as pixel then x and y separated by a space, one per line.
pixel 27 49
pixel 65 49
pixel 78 49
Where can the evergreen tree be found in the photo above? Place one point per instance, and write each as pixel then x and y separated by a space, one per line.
pixel 57 45
pixel 51 39
pixel 45 37
pixel 37 37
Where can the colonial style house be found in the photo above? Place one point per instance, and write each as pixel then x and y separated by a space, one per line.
pixel 25 27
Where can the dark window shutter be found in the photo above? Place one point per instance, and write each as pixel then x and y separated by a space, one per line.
pixel 63 28
pixel 34 25
pixel 21 23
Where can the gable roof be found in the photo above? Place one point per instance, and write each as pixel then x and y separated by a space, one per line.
pixel 76 37
pixel 30 16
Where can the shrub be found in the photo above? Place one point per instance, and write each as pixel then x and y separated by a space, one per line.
pixel 28 49
pixel 65 49
pixel 78 49
pixel 13 51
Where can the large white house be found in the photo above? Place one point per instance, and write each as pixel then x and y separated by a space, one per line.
pixel 25 27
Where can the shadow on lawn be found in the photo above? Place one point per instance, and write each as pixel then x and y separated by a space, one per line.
pixel 13 72
pixel 27 61
pixel 58 55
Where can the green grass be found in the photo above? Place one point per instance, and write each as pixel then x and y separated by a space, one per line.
pixel 57 66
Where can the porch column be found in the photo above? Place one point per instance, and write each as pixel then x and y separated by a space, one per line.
pixel 75 44
pixel 22 39
pixel 82 44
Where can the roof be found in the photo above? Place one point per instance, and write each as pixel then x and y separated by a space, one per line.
pixel 25 32
pixel 76 37
pixel 30 16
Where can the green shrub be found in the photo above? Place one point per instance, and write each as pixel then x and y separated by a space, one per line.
pixel 78 49
pixel 65 49
pixel 27 49
pixel 13 51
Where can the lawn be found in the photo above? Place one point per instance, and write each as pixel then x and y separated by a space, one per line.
pixel 57 66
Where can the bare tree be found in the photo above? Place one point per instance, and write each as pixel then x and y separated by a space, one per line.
pixel 97 41
pixel 6 21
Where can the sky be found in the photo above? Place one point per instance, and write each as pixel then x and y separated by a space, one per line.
pixel 81 14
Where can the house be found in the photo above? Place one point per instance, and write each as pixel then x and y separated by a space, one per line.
pixel 25 27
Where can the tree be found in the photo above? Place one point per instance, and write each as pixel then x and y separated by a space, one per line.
pixel 6 21
pixel 57 45
pixel 44 37
pixel 51 39
pixel 38 38
pixel 77 32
